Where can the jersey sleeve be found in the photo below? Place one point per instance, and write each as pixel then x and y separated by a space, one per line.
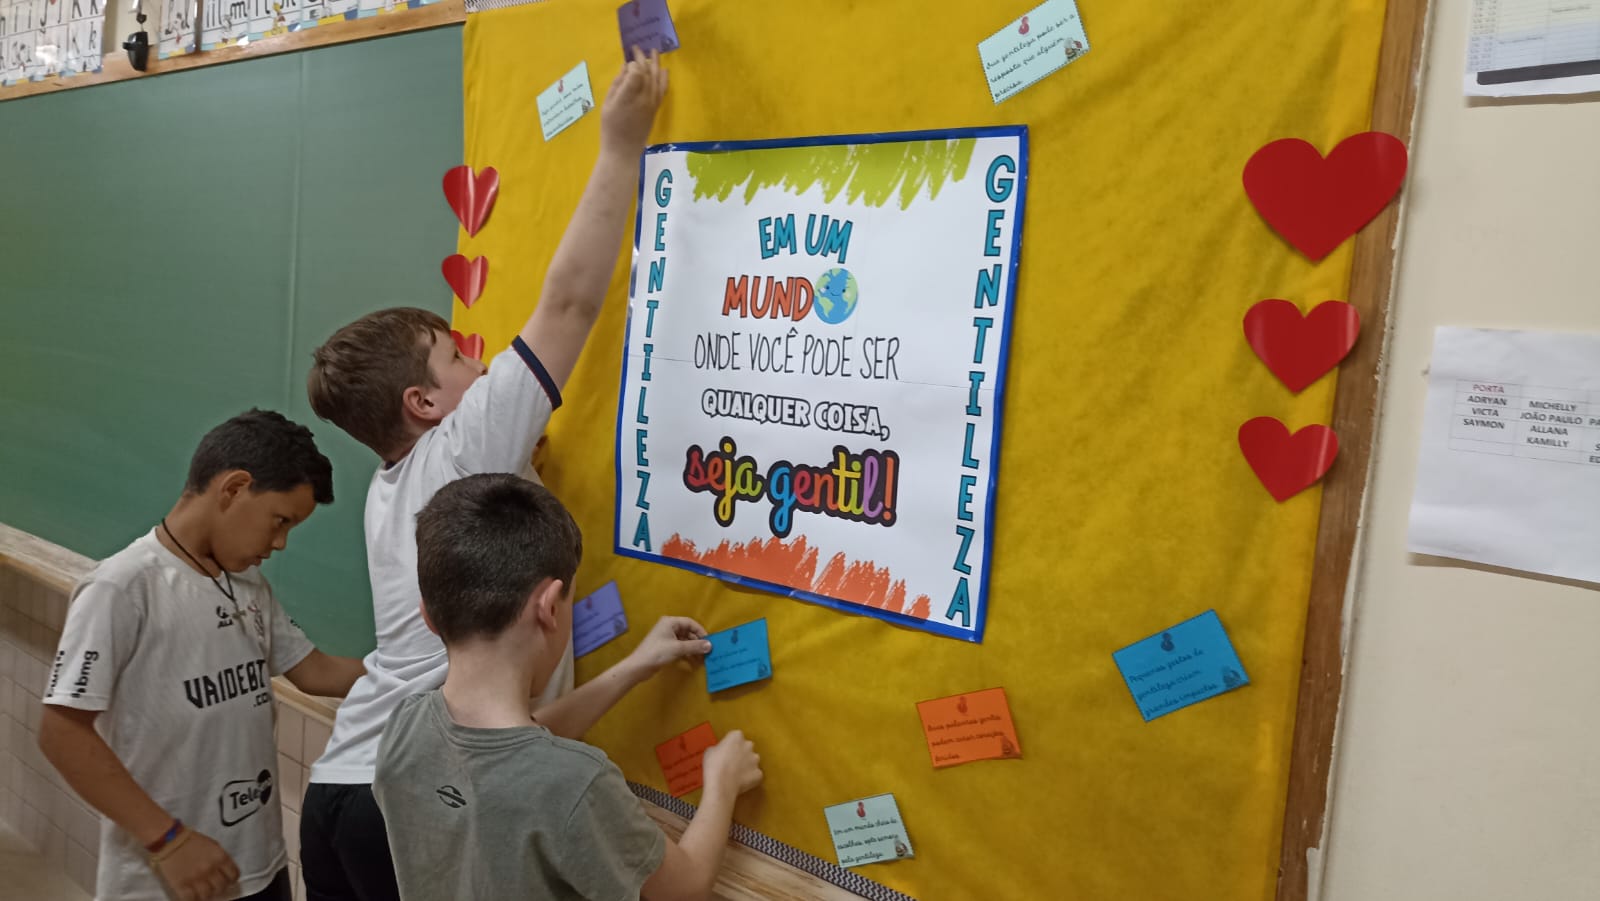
pixel 100 636
pixel 289 645
pixel 502 415
pixel 612 846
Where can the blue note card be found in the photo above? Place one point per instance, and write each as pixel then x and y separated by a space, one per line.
pixel 738 655
pixel 1183 665
pixel 597 619
pixel 566 101
pixel 646 24
pixel 1047 38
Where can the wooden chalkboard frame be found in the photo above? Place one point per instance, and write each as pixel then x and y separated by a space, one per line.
pixel 1355 421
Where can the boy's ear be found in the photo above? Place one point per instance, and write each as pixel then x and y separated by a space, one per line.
pixel 230 485
pixel 417 405
pixel 426 619
pixel 542 604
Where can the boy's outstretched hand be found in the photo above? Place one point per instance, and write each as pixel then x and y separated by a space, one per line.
pixel 732 765
pixel 671 638
pixel 631 103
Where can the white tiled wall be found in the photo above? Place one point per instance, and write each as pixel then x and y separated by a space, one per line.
pixel 34 799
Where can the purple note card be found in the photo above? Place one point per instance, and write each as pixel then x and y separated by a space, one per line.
pixel 597 619
pixel 646 24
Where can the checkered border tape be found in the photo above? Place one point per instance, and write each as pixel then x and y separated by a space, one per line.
pixel 479 6
pixel 828 872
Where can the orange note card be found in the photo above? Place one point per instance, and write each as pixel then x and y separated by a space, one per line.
pixel 680 759
pixel 968 727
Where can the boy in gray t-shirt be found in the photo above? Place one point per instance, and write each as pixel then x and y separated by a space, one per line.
pixel 480 799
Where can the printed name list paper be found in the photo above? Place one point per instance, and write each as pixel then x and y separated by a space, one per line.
pixel 812 387
pixel 1509 472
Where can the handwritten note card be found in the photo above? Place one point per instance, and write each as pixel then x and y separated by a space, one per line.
pixel 738 655
pixel 646 24
pixel 1047 38
pixel 1183 665
pixel 868 831
pixel 964 728
pixel 597 619
pixel 680 759
pixel 566 101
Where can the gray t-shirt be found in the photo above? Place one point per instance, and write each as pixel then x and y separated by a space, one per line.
pixel 507 813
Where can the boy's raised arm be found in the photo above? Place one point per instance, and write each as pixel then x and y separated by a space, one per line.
pixel 580 272
pixel 671 638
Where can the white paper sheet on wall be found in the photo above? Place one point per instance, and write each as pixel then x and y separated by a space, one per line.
pixel 1509 473
pixel 1520 48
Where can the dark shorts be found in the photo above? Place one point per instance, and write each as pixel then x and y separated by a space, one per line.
pixel 277 890
pixel 344 848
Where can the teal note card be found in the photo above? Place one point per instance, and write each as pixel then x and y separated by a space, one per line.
pixel 1183 665
pixel 738 655
pixel 566 101
pixel 868 831
pixel 1047 38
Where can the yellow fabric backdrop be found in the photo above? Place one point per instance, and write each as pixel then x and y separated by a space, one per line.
pixel 1123 503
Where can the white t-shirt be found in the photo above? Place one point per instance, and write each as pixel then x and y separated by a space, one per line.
pixel 185 684
pixel 494 429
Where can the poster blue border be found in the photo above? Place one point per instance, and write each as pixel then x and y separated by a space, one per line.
pixel 1020 132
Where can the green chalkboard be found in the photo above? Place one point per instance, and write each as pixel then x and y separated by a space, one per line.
pixel 171 251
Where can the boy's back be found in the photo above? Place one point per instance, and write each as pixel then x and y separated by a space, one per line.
pixel 507 813
pixel 493 430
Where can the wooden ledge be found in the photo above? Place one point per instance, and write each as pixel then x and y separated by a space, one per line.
pixel 43 561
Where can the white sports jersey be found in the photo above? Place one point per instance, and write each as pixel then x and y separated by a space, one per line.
pixel 185 686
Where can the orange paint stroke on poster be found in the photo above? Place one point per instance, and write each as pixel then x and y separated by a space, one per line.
pixel 794 563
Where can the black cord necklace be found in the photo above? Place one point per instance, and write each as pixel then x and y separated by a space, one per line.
pixel 226 592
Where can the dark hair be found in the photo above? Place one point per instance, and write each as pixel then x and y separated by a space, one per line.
pixel 359 377
pixel 484 543
pixel 279 454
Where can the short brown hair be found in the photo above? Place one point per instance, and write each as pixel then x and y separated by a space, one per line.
pixel 359 377
pixel 484 543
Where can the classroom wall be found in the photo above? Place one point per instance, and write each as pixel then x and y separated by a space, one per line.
pixel 1466 764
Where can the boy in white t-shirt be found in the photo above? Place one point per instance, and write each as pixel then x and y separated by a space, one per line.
pixel 395 381
pixel 159 711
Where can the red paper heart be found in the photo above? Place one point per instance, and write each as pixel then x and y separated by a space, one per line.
pixel 471 196
pixel 1287 464
pixel 471 345
pixel 1300 350
pixel 466 277
pixel 1316 203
